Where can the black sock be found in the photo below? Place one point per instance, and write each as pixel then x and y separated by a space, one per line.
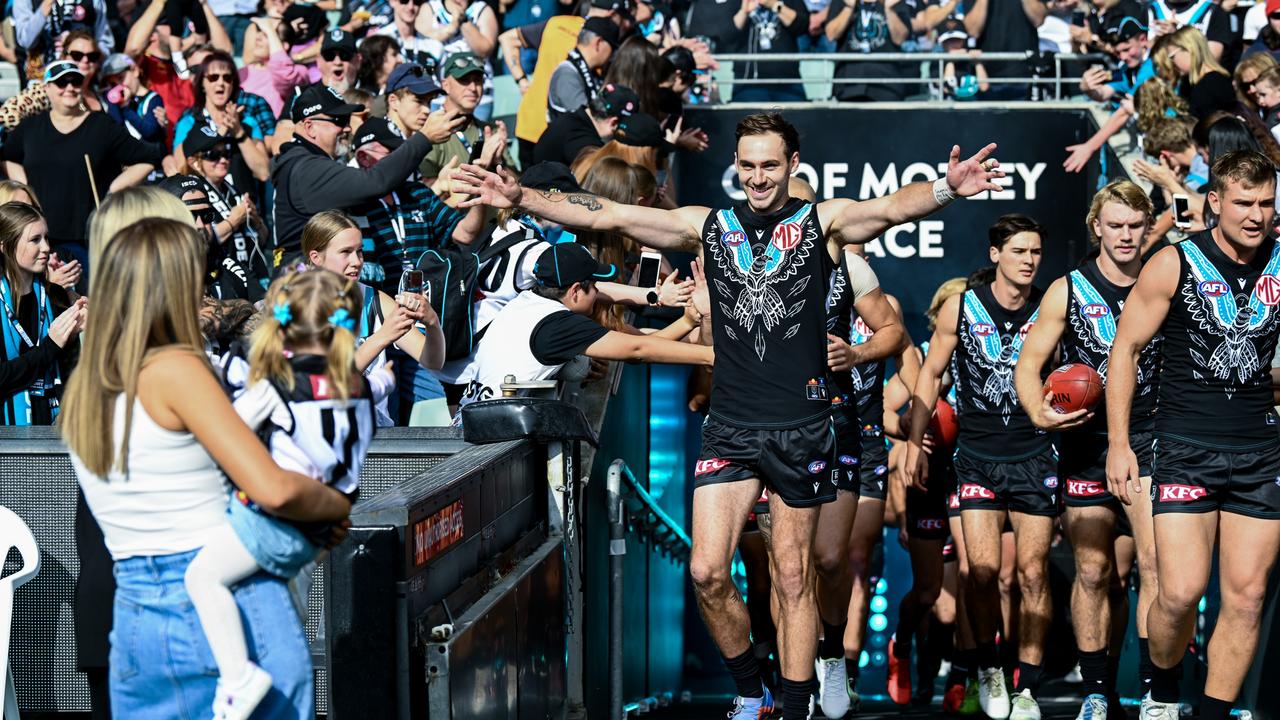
pixel 902 645
pixel 832 645
pixel 1211 708
pixel 1164 683
pixel 795 698
pixel 1093 668
pixel 1145 668
pixel 745 670
pixel 1113 674
pixel 1028 678
pixel 853 668
pixel 960 665
pixel 988 656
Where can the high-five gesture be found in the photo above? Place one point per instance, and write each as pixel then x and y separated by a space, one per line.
pixel 974 175
pixel 498 190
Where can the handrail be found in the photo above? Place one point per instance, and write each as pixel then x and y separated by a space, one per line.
pixel 652 522
pixel 917 56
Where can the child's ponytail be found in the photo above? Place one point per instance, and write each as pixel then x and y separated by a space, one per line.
pixel 344 321
pixel 267 360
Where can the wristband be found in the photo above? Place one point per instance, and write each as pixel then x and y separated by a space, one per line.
pixel 942 192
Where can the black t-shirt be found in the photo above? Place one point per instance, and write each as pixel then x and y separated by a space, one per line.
pixel 765 33
pixel 1103 21
pixel 55 166
pixel 566 137
pixel 562 336
pixel 868 32
pixel 1214 92
pixel 1215 24
pixel 1007 30
pixel 713 19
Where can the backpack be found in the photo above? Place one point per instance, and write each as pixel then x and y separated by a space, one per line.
pixel 452 272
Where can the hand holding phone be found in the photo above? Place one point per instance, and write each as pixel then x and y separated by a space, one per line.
pixel 1181 211
pixel 650 264
pixel 411 281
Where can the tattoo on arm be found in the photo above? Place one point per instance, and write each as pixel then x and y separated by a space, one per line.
pixel 590 202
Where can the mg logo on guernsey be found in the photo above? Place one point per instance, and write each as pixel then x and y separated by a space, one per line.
pixel 1095 310
pixel 1214 288
pixel 786 236
pixel 1084 488
pixel 1268 290
pixel 1181 493
pixel 709 466
pixel 1022 331
pixel 970 491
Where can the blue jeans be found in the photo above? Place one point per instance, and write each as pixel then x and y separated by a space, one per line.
pixel 161 666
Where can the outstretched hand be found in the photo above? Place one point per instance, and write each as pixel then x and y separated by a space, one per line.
pixel 499 190
pixel 701 299
pixel 975 175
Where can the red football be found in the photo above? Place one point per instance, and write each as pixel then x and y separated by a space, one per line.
pixel 1074 387
pixel 942 426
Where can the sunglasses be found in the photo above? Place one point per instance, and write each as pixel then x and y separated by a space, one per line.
pixel 341 122
pixel 216 155
pixel 333 54
pixel 68 81
pixel 91 56
pixel 206 213
pixel 1274 16
pixel 218 77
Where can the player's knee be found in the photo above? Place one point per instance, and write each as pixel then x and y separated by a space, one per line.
pixel 928 592
pixel 791 583
pixel 830 562
pixel 1180 598
pixel 1245 600
pixel 708 576
pixel 1034 580
pixel 1094 578
pixel 858 559
pixel 983 578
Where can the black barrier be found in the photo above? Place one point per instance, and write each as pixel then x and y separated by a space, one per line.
pixel 867 151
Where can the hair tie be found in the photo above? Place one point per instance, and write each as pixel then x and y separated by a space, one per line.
pixel 282 313
pixel 342 318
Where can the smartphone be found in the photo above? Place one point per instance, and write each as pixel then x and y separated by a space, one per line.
pixel 1182 212
pixel 411 281
pixel 650 263
pixel 477 147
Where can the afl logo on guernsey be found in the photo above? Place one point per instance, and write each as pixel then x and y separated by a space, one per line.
pixel 733 238
pixel 1095 310
pixel 1268 290
pixel 1214 288
pixel 982 329
pixel 786 236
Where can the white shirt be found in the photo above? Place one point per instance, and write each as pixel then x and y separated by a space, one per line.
pixel 173 496
pixel 1254 20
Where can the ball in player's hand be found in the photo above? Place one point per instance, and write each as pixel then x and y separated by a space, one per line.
pixel 1073 387
pixel 942 426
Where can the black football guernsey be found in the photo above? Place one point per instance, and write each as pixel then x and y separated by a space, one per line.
pixel 768 280
pixel 839 321
pixel 1219 339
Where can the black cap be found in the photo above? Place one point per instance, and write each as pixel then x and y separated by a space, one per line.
pixel 1124 27
pixel 681 58
pixel 179 185
pixel 605 29
pixel 314 21
pixel 566 263
pixel 550 175
pixel 339 39
pixel 619 100
pixel 201 139
pixel 320 99
pixel 379 130
pixel 952 29
pixel 621 6
pixel 641 130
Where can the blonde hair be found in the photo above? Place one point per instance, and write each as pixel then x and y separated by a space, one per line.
pixel 1190 39
pixel 151 303
pixel 10 189
pixel 1257 62
pixel 1158 99
pixel 311 304
pixel 14 219
pixel 123 208
pixel 646 156
pixel 1124 192
pixel 321 229
pixel 945 292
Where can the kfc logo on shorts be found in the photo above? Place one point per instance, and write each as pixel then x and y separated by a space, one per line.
pixel 709 466
pixel 1268 290
pixel 1084 488
pixel 1181 493
pixel 971 491
pixel 733 238
pixel 953 501
pixel 982 329
pixel 786 236
pixel 817 466
pixel 1095 310
pixel 928 524
pixel 1051 482
pixel 848 460
pixel 1213 288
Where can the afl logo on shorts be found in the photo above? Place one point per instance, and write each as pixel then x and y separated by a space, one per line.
pixel 1095 310
pixel 1213 288
pixel 982 329
pixel 848 460
pixel 786 236
pixel 1268 290
pixel 733 238
pixel 1051 482
pixel 816 467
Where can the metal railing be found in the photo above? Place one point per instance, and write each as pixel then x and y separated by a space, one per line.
pixel 936 59
pixel 632 507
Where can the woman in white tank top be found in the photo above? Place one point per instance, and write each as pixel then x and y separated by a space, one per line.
pixel 149 427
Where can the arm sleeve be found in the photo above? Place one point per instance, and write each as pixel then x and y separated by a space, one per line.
pixel 862 279
pixel 322 184
pixel 145 119
pixel 800 26
pixel 28 22
pixel 381 383
pixel 285 73
pixel 1219 28
pixel 566 92
pixel 531 34
pixel 13 150
pixel 101 30
pixel 259 402
pixel 20 372
pixel 443 219
pixel 180 130
pixel 562 336
pixel 432 163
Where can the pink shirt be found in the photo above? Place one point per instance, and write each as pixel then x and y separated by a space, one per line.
pixel 276 81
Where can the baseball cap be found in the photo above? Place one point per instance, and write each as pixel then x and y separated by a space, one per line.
pixel 550 175
pixel 412 77
pixel 462 64
pixel 338 39
pixel 202 139
pixel 566 263
pixel 681 58
pixel 952 29
pixel 115 64
pixel 179 185
pixel 622 6
pixel 316 99
pixel 605 29
pixel 619 100
pixel 1272 6
pixel 60 68
pixel 641 130
pixel 1127 27
pixel 381 130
